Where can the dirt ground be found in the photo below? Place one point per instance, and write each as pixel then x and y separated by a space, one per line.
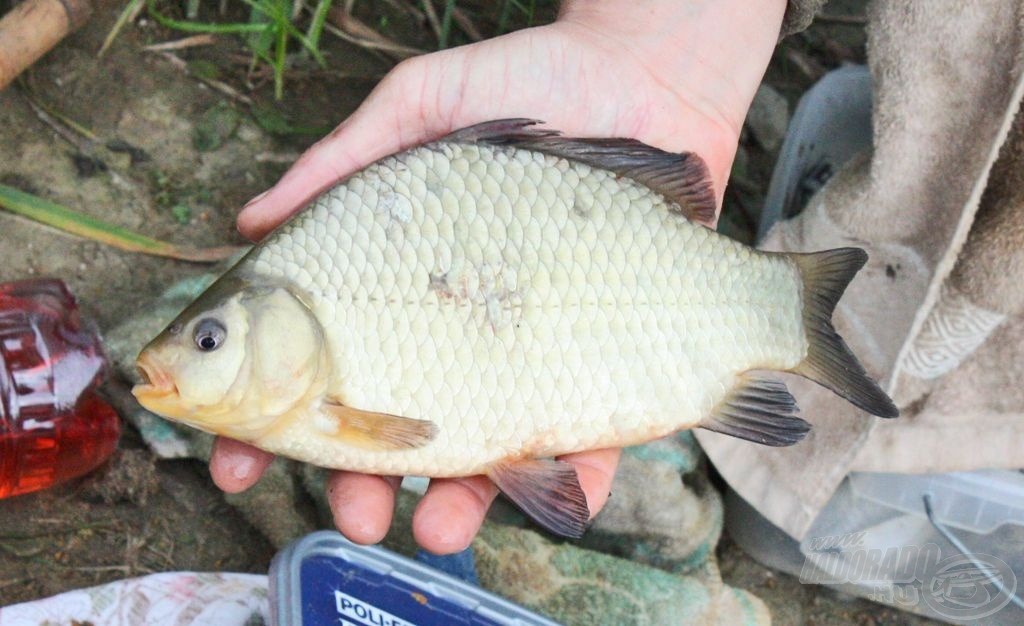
pixel 207 154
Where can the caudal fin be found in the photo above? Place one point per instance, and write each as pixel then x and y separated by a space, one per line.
pixel 829 361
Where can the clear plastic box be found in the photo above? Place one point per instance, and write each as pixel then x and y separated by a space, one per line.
pixel 979 502
pixel 963 563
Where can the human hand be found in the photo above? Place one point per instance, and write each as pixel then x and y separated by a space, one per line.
pixel 676 75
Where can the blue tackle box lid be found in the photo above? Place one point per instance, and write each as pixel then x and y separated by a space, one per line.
pixel 325 579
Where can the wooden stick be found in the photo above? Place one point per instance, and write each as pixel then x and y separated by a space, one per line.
pixel 466 24
pixel 205 39
pixel 32 28
pixel 354 30
pixel 435 24
pixel 849 20
pixel 226 89
pixel 805 63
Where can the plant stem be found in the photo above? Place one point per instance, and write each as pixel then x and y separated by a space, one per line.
pixel 446 24
pixel 63 218
pixel 316 25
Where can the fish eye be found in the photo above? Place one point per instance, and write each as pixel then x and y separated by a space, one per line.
pixel 209 334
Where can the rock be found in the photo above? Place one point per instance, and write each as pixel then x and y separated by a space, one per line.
pixel 217 125
pixel 768 117
pixel 653 516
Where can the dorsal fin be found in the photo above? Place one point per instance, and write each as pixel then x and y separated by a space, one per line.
pixel 682 178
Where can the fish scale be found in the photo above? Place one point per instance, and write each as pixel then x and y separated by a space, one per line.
pixel 595 333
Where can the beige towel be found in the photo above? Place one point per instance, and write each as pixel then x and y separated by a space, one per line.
pixel 962 373
pixel 946 88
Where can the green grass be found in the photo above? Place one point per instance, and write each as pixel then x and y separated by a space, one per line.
pixel 268 33
pixel 526 10
pixel 76 223
pixel 274 29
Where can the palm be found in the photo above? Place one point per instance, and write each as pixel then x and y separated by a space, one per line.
pixel 577 84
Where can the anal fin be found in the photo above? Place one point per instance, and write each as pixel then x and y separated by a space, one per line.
pixel 547 491
pixel 759 410
pixel 379 431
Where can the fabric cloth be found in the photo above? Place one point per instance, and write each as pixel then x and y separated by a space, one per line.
pixel 936 315
pixel 169 599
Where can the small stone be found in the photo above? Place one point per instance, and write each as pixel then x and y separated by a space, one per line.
pixel 216 126
pixel 768 117
pixel 248 132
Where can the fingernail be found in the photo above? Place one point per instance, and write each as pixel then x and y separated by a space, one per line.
pixel 256 199
pixel 242 466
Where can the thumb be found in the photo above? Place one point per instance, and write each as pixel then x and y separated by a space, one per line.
pixel 391 118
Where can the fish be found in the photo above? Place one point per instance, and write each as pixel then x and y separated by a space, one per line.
pixel 486 302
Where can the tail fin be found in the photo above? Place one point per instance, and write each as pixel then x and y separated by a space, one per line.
pixel 829 361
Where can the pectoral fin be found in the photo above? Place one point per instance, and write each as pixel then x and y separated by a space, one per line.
pixel 547 491
pixel 379 431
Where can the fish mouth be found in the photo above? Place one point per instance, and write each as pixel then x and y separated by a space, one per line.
pixel 155 381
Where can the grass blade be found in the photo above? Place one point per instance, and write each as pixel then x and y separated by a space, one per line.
pixel 280 20
pixel 446 25
pixel 279 62
pixel 63 218
pixel 201 27
pixel 316 25
pixel 505 17
pixel 130 11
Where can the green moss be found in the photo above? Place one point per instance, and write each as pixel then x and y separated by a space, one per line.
pixel 680 451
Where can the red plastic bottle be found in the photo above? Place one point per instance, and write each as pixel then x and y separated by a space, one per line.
pixel 53 427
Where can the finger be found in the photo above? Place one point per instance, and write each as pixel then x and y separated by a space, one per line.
pixel 391 118
pixel 451 512
pixel 362 504
pixel 595 470
pixel 236 466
